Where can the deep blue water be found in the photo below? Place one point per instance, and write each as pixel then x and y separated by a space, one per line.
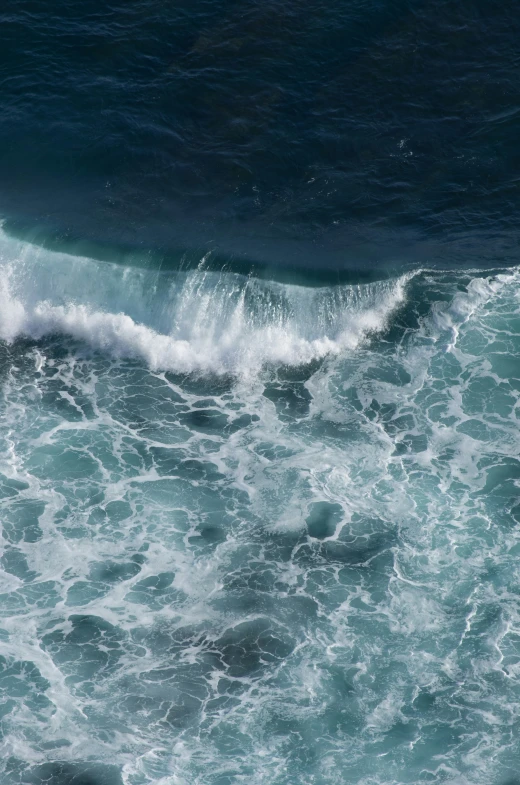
pixel 318 134
pixel 259 371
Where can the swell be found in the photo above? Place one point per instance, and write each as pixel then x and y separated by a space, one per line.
pixel 262 260
pixel 194 320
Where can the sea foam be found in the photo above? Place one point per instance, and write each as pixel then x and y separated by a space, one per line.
pixel 315 574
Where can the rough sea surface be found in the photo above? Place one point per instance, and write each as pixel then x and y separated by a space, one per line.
pixel 259 393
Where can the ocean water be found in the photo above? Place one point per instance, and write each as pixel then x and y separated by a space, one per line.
pixel 259 368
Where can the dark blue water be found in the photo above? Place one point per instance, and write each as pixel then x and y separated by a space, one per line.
pixel 259 393
pixel 323 135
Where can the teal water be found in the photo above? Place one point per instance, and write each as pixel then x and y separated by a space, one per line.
pixel 255 532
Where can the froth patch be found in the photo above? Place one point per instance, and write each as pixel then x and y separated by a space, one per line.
pixel 479 292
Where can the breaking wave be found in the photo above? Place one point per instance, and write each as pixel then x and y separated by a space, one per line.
pixel 191 321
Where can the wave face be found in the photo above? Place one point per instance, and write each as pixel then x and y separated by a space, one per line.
pixel 256 532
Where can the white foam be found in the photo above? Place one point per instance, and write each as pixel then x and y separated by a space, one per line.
pixel 479 292
pixel 195 321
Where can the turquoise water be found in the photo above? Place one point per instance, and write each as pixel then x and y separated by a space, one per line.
pixel 256 532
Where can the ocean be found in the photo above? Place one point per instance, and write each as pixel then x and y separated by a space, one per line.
pixel 259 410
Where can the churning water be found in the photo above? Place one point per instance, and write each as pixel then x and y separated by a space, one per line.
pixel 257 532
